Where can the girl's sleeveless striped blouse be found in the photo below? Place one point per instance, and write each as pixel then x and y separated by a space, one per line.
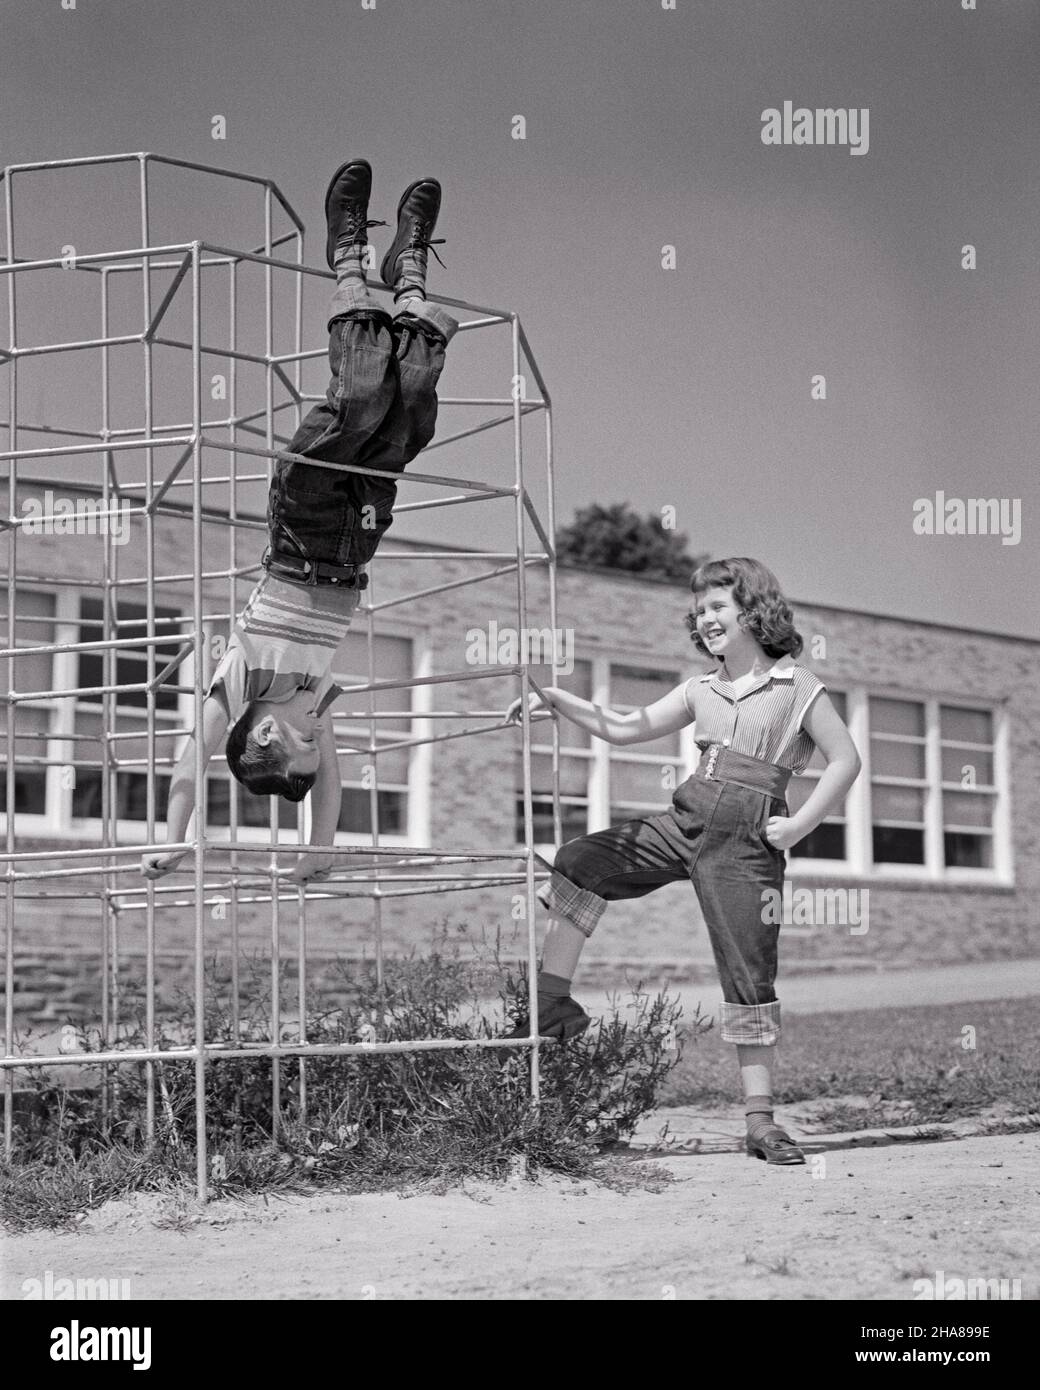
pixel 764 720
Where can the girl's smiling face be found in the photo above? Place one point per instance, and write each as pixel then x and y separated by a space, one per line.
pixel 718 620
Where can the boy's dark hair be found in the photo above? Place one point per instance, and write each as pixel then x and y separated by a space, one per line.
pixel 261 770
pixel 766 614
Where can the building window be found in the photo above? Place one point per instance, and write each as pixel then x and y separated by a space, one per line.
pixel 600 784
pixel 575 756
pixel 34 627
pixel 127 721
pixel 969 793
pixel 931 802
pixel 830 838
pixel 368 759
pixel 898 780
pixel 642 776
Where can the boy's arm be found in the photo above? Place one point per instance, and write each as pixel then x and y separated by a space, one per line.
pixel 181 802
pixel 326 797
pixel 664 716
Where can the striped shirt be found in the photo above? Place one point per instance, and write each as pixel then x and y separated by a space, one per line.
pixel 284 641
pixel 764 720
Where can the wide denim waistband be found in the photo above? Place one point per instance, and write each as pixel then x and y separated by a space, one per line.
pixel 721 764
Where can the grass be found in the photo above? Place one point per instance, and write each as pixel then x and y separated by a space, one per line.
pixel 911 1055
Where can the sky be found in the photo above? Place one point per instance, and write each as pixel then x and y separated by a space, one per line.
pixel 686 387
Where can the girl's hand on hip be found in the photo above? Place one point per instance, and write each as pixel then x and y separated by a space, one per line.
pixel 535 705
pixel 782 832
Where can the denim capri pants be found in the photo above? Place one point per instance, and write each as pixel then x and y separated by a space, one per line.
pixel 714 835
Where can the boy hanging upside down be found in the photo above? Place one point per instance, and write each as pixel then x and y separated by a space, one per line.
pixel 272 689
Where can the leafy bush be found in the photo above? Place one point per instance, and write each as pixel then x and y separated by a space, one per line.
pixel 361 1122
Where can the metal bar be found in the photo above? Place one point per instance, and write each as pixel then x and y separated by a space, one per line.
pixel 233 829
pixel 200 765
pixel 363 469
pixel 216 1052
pixel 9 841
pixel 443 588
pixel 550 513
pixel 151 323
pixel 51 429
pixel 106 446
pixel 109 786
pixel 301 908
pixel 95 258
pixel 276 1021
pixel 113 643
pixel 474 429
pixel 525 717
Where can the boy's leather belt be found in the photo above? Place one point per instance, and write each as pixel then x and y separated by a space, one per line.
pixel 304 571
pixel 721 764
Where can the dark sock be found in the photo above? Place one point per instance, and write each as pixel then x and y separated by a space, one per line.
pixel 552 987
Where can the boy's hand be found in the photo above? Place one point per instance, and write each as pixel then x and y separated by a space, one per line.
pixel 311 868
pixel 535 704
pixel 156 863
pixel 783 831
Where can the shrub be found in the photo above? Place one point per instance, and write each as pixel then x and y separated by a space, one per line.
pixel 361 1122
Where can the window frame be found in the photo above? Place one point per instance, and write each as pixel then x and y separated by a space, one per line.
pixel 183 716
pixel 599 753
pixel 417 775
pixel 859 861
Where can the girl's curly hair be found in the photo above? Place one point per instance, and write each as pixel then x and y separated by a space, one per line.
pixel 766 614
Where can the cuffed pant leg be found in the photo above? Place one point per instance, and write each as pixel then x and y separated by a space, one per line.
pixel 735 877
pixel 627 861
pixel 579 906
pixel 433 315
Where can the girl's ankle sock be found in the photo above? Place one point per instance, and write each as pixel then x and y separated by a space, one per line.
pixel 758 1111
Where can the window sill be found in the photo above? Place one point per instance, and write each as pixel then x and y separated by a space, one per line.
pixel 821 873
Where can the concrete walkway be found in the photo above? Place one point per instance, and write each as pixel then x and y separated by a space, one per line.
pixel 845 993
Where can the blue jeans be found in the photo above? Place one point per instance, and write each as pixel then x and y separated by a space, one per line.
pixel 714 836
pixel 379 411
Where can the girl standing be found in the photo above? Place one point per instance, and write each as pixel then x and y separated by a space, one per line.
pixel 758 717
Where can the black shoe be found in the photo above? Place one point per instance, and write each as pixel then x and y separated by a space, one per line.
pixel 346 206
pixel 559 1018
pixel 775 1145
pixel 416 218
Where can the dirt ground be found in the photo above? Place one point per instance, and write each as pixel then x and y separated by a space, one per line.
pixel 863 1223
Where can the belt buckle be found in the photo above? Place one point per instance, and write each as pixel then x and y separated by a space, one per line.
pixel 714 749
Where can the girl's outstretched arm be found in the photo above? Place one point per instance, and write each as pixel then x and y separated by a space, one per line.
pixel 664 716
pixel 824 726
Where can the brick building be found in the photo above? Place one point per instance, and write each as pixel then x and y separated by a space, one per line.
pixel 942 827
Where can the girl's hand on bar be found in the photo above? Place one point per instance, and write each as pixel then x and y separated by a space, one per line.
pixel 159 862
pixel 536 705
